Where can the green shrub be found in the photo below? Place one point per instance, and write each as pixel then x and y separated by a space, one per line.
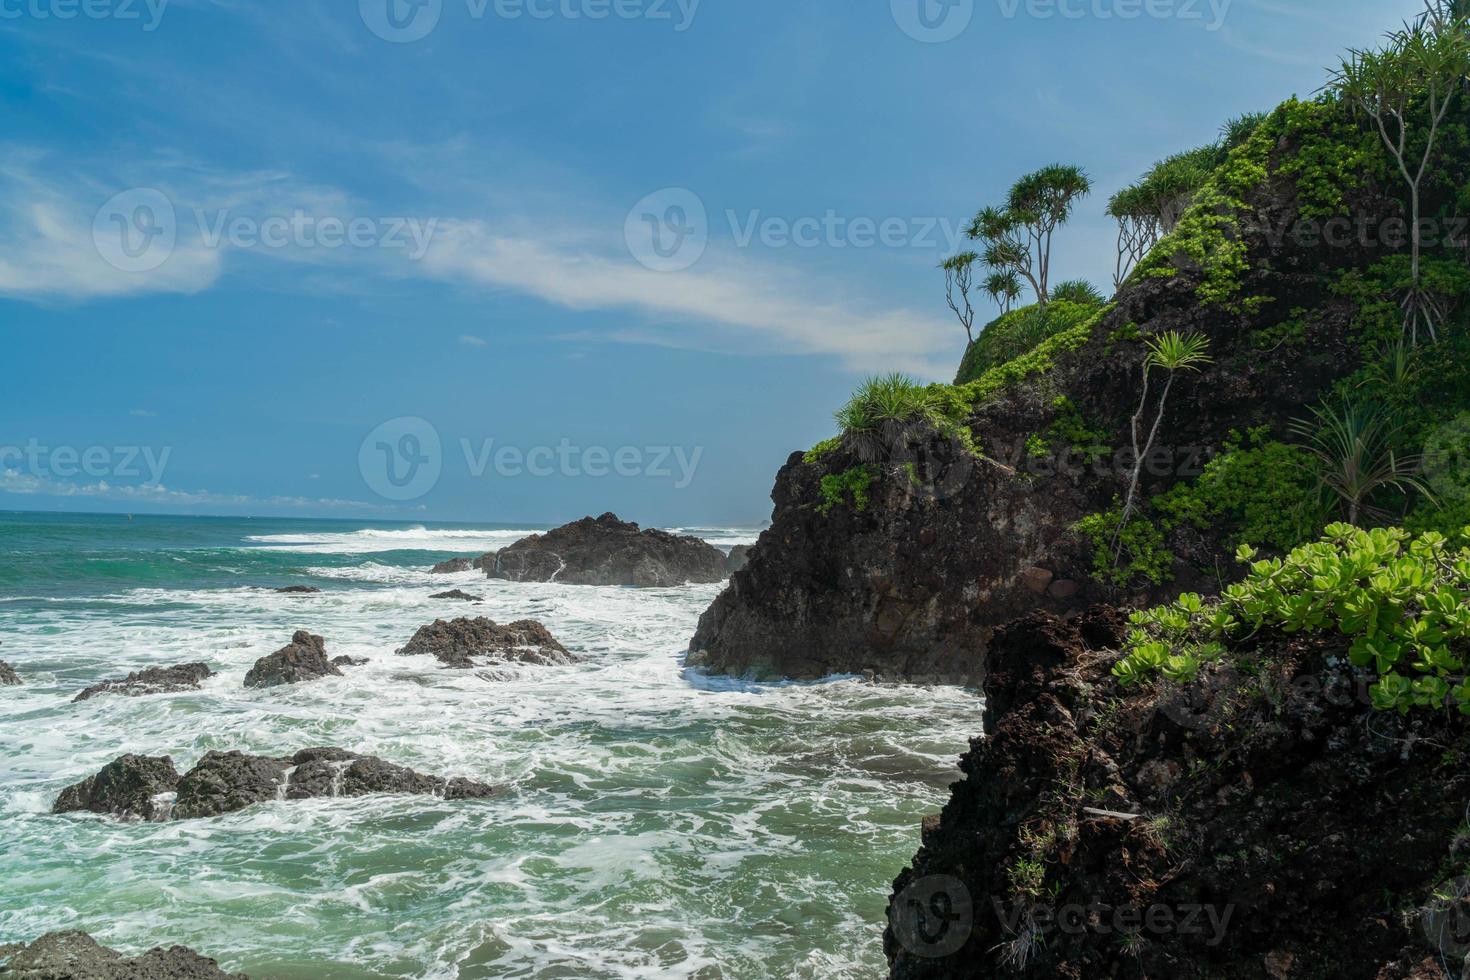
pixel 837 488
pixel 1140 549
pixel 1402 601
pixel 1020 332
pixel 1070 429
pixel 873 421
pixel 1038 360
pixel 823 448
pixel 1078 291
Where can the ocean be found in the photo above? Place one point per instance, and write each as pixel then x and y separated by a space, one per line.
pixel 658 823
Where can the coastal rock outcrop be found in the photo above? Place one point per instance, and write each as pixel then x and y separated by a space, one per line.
pixel 303 659
pixel 737 559
pixel 299 590
pixel 142 788
pixel 8 676
pixel 74 955
pixel 131 787
pixel 452 566
pixel 1214 829
pixel 153 680
pixel 468 643
pixel 607 551
pixel 458 595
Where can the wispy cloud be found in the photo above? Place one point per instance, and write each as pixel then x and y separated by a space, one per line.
pixel 470 340
pixel 735 304
pixel 28 485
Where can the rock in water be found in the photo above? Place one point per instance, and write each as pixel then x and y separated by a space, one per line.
pixel 129 787
pixel 224 782
pixel 466 643
pixel 8 676
pixel 457 594
pixel 74 955
pixel 305 659
pixel 298 590
pixel 452 566
pixel 607 551
pixel 154 680
pixel 737 559
pixel 345 661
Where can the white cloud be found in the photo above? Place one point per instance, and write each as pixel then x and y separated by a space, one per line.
pixel 28 485
pixel 469 340
pixel 732 305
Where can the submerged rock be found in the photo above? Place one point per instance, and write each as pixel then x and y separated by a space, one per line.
pixel 607 551
pixel 137 787
pixel 298 590
pixel 153 680
pixel 304 659
pixel 74 955
pixel 8 676
pixel 133 787
pixel 452 566
pixel 467 643
pixel 345 661
pixel 459 595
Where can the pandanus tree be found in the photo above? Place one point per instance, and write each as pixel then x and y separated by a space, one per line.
pixel 1004 288
pixel 1018 237
pixel 1407 90
pixel 1354 456
pixel 959 277
pixel 1151 208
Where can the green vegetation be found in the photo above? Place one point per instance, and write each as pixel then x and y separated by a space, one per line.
pixel 1017 238
pixel 1039 360
pixel 1352 447
pixel 1126 553
pixel 1077 291
pixel 1019 332
pixel 1171 353
pixel 1403 602
pixel 1261 488
pixel 1070 429
pixel 959 275
pixel 886 407
pixel 822 449
pixel 837 488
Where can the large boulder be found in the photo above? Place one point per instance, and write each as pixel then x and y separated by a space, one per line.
pixel 133 787
pixel 153 680
pixel 304 659
pixel 8 676
pixel 452 566
pixel 467 643
pixel 737 559
pixel 458 595
pixel 74 955
pixel 137 787
pixel 608 551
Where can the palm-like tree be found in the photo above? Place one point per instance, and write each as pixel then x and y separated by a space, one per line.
pixel 1354 455
pixel 1004 288
pixel 959 274
pixel 1171 352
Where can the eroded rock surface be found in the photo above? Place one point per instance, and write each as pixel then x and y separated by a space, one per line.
pixel 468 643
pixel 608 551
pixel 132 787
pixel 74 955
pixel 8 676
pixel 303 659
pixel 153 680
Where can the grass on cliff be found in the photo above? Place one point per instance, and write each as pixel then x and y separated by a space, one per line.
pixel 1019 332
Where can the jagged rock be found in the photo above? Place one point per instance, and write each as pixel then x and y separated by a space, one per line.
pixel 74 955
pixel 737 559
pixel 452 566
pixel 8 676
pixel 298 590
pixel 224 782
pixel 466 643
pixel 345 661
pixel 304 659
pixel 457 594
pixel 607 551
pixel 1219 821
pixel 153 680
pixel 129 787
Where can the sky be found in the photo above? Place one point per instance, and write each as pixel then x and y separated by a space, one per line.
pixel 526 260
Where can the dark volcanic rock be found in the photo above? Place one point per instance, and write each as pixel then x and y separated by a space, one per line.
pixel 126 787
pixel 457 594
pixel 451 566
pixel 224 782
pixel 8 676
pixel 345 661
pixel 607 551
pixel 737 559
pixel 74 955
pixel 154 680
pixel 466 643
pixel 305 659
pixel 1222 823
pixel 298 590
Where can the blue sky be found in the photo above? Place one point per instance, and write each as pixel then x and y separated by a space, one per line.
pixel 346 241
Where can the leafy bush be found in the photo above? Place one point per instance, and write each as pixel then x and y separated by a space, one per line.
pixel 884 407
pixel 1039 360
pixel 1020 332
pixel 1070 429
pixel 1078 291
pixel 1123 555
pixel 1402 601
pixel 837 488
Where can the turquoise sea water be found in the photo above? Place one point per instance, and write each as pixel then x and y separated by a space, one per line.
pixel 658 823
